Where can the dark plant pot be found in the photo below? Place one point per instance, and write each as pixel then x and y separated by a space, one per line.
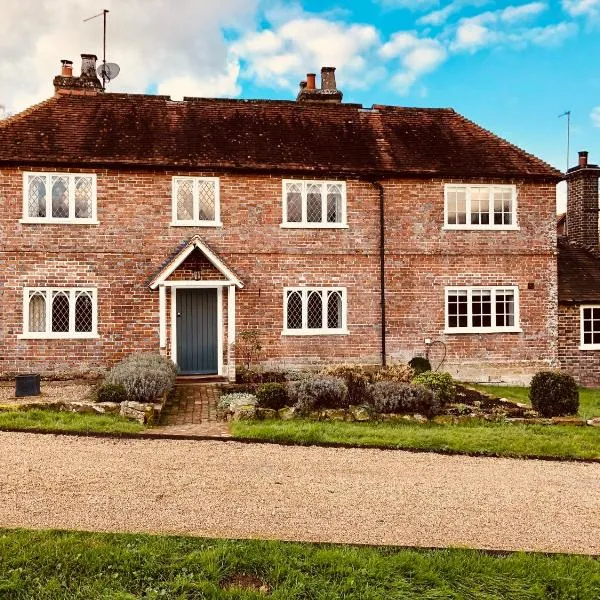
pixel 27 385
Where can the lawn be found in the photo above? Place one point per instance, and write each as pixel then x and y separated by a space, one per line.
pixel 589 398
pixel 46 420
pixel 67 565
pixel 479 437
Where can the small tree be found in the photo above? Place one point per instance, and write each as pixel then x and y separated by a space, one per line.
pixel 248 346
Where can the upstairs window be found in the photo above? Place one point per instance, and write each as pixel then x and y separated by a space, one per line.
pixel 480 207
pixel 60 313
pixel 59 198
pixel 482 309
pixel 314 311
pixel 196 201
pixel 318 204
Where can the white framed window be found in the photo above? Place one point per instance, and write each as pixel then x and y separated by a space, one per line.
pixel 314 204
pixel 482 309
pixel 589 324
pixel 50 313
pixel 59 198
pixel 480 206
pixel 314 311
pixel 196 202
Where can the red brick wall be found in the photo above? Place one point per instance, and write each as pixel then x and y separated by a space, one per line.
pixel 134 238
pixel 584 365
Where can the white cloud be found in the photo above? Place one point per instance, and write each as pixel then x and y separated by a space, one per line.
pixel 278 57
pixel 415 5
pixel 506 27
pixel 595 116
pixel 440 16
pixel 416 55
pixel 157 43
pixel 524 11
pixel 579 8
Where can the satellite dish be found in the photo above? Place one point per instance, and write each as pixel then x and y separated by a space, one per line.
pixel 108 71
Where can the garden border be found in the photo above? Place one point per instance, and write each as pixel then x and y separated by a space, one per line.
pixel 246 440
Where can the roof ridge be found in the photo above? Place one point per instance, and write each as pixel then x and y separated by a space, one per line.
pixel 24 113
pixel 514 146
pixel 593 250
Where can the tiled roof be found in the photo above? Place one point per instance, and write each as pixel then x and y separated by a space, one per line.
pixel 578 273
pixel 154 131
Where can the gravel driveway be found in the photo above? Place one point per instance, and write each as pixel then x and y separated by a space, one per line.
pixel 238 490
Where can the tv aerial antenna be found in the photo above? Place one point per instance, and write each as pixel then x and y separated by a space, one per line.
pixel 106 71
pixel 567 114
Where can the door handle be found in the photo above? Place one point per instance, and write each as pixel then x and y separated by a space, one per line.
pixel 179 314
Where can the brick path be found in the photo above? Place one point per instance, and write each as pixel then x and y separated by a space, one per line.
pixel 191 409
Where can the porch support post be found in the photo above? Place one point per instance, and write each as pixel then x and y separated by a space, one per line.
pixel 231 332
pixel 162 310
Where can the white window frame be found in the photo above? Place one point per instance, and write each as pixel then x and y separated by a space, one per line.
pixel 468 225
pixel 49 219
pixel 175 222
pixel 305 291
pixel 516 328
pixel 582 344
pixel 304 224
pixel 51 335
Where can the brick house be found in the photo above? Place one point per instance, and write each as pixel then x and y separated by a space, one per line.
pixel 339 233
pixel 579 276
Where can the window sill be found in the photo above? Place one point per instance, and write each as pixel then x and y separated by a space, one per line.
pixel 590 347
pixel 33 221
pixel 314 226
pixel 481 228
pixel 305 332
pixel 58 336
pixel 196 224
pixel 463 330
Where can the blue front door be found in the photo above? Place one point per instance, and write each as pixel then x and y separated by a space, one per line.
pixel 197 331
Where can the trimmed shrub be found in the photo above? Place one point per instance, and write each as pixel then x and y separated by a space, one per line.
pixel 554 394
pixel 231 401
pixel 419 364
pixel 441 384
pixel 272 395
pixel 111 392
pixel 273 377
pixel 319 392
pixel 400 397
pixel 248 376
pixel 357 380
pixel 145 377
pixel 395 372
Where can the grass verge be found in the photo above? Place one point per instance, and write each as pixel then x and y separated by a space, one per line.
pixel 589 398
pixel 45 420
pixel 497 439
pixel 68 565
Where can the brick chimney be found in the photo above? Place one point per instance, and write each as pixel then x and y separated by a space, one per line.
pixel 582 202
pixel 86 83
pixel 328 91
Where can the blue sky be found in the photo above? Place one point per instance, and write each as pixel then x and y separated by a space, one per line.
pixel 512 67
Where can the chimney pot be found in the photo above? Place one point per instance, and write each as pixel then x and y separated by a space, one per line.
pixel 583 158
pixel 67 68
pixel 328 78
pixel 88 66
pixel 311 81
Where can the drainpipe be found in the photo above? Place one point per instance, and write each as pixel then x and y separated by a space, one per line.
pixel 379 188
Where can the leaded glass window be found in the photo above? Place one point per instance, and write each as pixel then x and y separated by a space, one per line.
pixel 315 310
pixel 314 203
pixel 196 201
pixel 63 312
pixel 59 197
